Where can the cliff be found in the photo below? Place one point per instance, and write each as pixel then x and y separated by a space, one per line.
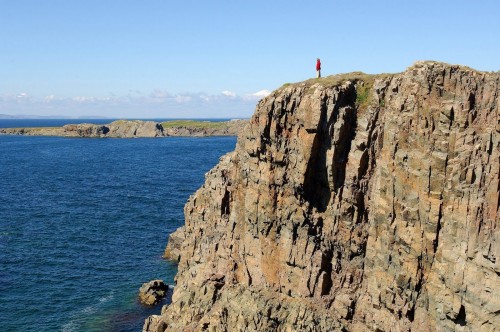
pixel 353 202
pixel 135 128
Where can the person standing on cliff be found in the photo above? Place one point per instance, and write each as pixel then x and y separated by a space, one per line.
pixel 318 68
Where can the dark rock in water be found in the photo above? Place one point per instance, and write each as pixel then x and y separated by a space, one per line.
pixel 152 292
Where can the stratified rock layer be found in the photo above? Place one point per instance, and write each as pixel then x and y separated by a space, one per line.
pixel 354 202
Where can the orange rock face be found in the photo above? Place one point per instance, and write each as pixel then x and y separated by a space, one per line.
pixel 355 202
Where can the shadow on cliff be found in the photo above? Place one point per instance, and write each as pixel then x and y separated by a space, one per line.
pixel 317 187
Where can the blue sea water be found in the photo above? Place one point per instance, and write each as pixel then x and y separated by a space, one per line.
pixel 84 222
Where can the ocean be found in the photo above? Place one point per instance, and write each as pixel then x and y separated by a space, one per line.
pixel 84 222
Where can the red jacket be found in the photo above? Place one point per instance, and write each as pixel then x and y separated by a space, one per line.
pixel 318 65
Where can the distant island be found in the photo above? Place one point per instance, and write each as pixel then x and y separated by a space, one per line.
pixel 136 128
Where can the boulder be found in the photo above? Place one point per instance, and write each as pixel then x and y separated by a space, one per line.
pixel 152 292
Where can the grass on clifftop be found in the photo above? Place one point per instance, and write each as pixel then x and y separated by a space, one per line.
pixel 357 76
pixel 33 128
pixel 194 124
pixel 364 85
pixel 339 79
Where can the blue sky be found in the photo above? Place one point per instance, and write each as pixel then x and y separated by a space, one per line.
pixel 199 59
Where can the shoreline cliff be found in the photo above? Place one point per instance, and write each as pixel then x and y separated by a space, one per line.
pixel 135 128
pixel 353 202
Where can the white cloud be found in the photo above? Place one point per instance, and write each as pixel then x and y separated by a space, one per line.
pixel 261 93
pixel 205 98
pixel 159 96
pixel 257 95
pixel 83 100
pixel 158 103
pixel 7 97
pixel 22 96
pixel 183 99
pixel 49 98
pixel 228 93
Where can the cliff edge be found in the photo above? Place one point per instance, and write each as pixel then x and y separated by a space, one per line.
pixel 353 202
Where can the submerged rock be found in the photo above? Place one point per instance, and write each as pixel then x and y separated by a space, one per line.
pixel 152 292
pixel 353 202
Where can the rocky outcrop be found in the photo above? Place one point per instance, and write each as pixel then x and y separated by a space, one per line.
pixel 173 249
pixel 353 202
pixel 135 128
pixel 206 128
pixel 152 292
pixel 123 128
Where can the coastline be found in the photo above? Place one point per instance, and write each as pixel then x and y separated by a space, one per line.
pixel 136 128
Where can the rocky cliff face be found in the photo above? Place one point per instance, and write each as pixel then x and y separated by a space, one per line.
pixel 353 202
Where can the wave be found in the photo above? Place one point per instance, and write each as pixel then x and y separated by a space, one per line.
pixel 77 318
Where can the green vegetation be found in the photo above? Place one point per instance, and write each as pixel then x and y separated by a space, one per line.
pixel 339 79
pixel 364 84
pixel 363 94
pixel 194 124
pixel 34 128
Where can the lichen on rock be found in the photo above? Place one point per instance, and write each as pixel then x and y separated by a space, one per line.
pixel 353 202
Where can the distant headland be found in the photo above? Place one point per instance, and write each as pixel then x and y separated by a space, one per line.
pixel 136 128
